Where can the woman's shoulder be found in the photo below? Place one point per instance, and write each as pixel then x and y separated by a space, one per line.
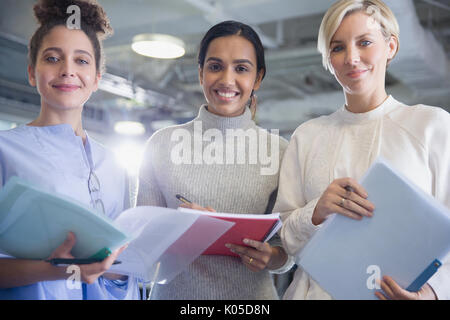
pixel 426 112
pixel 421 117
pixel 274 134
pixel 16 135
pixel 165 135
pixel 313 127
pixel 13 131
pixel 422 122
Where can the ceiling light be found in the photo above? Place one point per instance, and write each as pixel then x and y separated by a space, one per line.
pixel 132 128
pixel 157 45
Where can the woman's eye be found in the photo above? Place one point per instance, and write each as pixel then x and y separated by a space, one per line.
pixel 82 61
pixel 365 43
pixel 337 49
pixel 52 59
pixel 241 69
pixel 214 67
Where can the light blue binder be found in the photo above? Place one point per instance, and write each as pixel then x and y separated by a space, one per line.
pixel 33 223
pixel 407 238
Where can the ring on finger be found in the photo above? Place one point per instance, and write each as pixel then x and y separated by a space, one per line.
pixel 342 202
pixel 250 261
pixel 349 191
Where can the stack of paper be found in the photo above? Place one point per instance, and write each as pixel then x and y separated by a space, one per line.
pixel 166 239
pixel 33 223
pixel 407 238
pixel 260 227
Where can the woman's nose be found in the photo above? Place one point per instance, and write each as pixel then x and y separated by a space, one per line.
pixel 227 77
pixel 67 69
pixel 352 56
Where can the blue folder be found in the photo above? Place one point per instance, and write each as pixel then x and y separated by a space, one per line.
pixel 33 223
pixel 407 238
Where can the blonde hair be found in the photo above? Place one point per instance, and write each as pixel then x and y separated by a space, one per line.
pixel 376 9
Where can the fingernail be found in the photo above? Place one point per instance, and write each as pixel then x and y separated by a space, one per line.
pixel 246 241
pixel 228 245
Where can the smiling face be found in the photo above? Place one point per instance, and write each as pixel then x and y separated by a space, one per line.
pixel 229 75
pixel 359 54
pixel 65 74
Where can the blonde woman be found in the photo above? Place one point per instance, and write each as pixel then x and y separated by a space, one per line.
pixel 358 39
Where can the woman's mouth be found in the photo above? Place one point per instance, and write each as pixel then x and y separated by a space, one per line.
pixel 66 87
pixel 356 73
pixel 226 95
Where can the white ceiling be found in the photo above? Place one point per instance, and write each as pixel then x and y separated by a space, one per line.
pixel 296 87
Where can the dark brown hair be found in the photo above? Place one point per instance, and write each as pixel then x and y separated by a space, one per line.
pixel 230 28
pixel 52 13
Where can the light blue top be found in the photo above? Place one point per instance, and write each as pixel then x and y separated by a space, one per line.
pixel 54 158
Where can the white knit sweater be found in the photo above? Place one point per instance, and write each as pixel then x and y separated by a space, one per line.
pixel 211 179
pixel 415 140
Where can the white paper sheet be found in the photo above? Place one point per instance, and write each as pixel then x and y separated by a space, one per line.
pixel 166 236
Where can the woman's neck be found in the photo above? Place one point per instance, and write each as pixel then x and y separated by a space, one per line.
pixel 50 117
pixel 364 103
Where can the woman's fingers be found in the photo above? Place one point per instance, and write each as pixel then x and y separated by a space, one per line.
pixel 344 196
pixel 380 295
pixel 346 212
pixel 63 251
pixel 113 256
pixel 349 194
pixel 255 257
pixel 258 245
pixel 244 251
pixel 351 185
pixel 353 205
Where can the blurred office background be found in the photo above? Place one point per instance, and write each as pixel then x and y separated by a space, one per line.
pixel 161 92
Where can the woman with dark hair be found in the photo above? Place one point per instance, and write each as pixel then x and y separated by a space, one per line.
pixel 54 152
pixel 208 172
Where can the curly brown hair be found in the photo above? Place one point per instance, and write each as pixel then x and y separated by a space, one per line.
pixel 52 13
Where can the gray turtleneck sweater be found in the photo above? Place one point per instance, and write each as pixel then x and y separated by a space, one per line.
pixel 197 160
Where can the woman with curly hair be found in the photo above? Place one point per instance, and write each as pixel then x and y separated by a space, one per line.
pixel 65 65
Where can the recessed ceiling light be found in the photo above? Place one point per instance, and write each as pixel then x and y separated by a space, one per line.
pixel 161 46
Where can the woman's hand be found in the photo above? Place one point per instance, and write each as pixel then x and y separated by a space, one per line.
pixel 394 292
pixel 195 206
pixel 259 255
pixel 89 272
pixel 344 196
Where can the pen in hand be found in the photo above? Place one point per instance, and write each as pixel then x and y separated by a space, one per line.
pixel 183 199
pixel 190 205
pixel 61 261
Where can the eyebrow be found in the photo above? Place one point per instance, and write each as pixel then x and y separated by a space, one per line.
pixel 358 37
pixel 60 51
pixel 234 61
